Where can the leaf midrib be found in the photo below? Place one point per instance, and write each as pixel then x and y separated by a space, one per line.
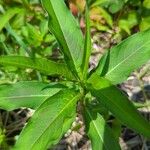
pixel 62 34
pixel 120 108
pixel 28 65
pixel 54 119
pixel 29 96
pixel 109 72
pixel 97 129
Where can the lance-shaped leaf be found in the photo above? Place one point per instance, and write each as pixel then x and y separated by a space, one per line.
pixel 117 64
pixel 49 122
pixel 67 32
pixel 87 45
pixel 4 19
pixel 100 134
pixel 117 103
pixel 25 94
pixel 45 66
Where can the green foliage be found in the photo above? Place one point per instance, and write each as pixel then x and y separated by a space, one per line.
pixel 113 6
pixel 126 14
pixel 115 101
pixel 25 94
pixel 98 130
pixel 118 63
pixel 70 40
pixel 87 46
pixel 7 16
pixel 43 65
pixel 49 122
pixel 55 103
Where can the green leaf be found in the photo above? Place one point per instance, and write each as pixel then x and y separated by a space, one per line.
pixel 116 127
pixel 18 39
pixel 67 32
pixel 49 122
pixel 113 6
pixel 34 36
pixel 25 94
pixel 18 20
pixel 87 45
pixel 146 4
pixel 117 64
pixel 47 67
pixel 124 25
pixel 145 23
pixel 44 27
pixel 129 21
pixel 99 132
pixel 99 2
pixel 101 14
pixel 106 16
pixel 4 19
pixel 117 103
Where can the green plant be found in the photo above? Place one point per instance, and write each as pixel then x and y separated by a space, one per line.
pixel 127 15
pixel 55 103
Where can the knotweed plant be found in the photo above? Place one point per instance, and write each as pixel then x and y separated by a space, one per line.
pixel 55 103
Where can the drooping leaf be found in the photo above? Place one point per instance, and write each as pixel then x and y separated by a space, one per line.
pixel 87 45
pixel 117 64
pixel 117 103
pixel 49 122
pixel 47 67
pixel 4 19
pixel 25 94
pixel 67 32
pixel 99 132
